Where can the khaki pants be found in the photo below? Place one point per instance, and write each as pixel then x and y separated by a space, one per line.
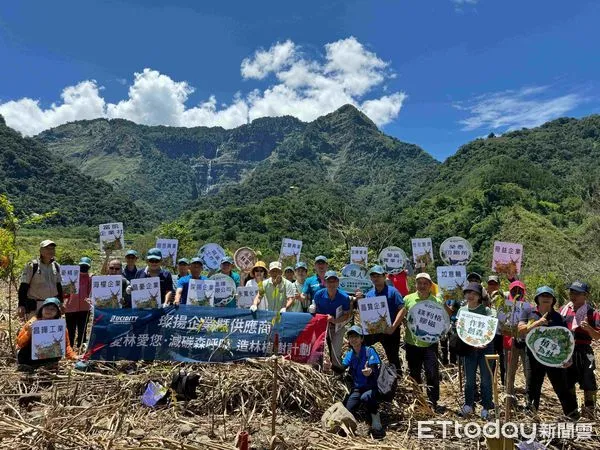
pixel 335 342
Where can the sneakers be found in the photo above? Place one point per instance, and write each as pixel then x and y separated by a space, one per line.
pixel 485 415
pixel 465 411
pixel 377 433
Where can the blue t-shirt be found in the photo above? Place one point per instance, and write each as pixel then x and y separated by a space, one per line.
pixel 166 281
pixel 184 283
pixel 235 276
pixel 356 363
pixel 326 306
pixel 394 299
pixel 312 285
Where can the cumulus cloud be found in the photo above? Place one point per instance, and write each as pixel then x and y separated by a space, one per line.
pixel 298 85
pixel 509 110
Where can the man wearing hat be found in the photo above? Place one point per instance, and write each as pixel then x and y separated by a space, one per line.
pixel 227 269
pixel 278 292
pixel 183 283
pixel 545 315
pixel 154 269
pixel 77 305
pixel 420 355
pixel 327 301
pixel 390 340
pixel 317 281
pixel 363 364
pixel 130 269
pixel 584 321
pixel 300 273
pixel 40 280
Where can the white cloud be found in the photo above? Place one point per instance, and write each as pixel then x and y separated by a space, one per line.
pixel 299 86
pixel 509 110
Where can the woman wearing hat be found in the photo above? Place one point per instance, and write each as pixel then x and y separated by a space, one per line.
pixel 476 357
pixel 49 310
pixel 77 306
pixel 545 315
pixel 258 275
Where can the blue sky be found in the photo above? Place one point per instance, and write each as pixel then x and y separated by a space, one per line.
pixel 437 73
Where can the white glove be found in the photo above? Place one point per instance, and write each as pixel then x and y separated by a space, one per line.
pixel 312 308
pixel 253 308
pixel 282 310
pixel 128 289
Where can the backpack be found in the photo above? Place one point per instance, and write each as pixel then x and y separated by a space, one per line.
pixel 35 266
pixel 184 385
pixel 387 380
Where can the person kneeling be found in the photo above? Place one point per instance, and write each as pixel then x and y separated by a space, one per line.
pixel 363 363
pixel 49 310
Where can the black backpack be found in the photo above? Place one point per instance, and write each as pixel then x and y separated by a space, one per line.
pixel 184 385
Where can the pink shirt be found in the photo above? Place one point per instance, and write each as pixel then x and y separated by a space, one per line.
pixel 76 302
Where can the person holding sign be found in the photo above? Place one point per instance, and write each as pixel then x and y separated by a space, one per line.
pixel 419 354
pixel 130 270
pixel 77 306
pixel 49 310
pixel 546 316
pixel 183 283
pixel 390 340
pixel 363 363
pixel 278 293
pixel 475 357
pixel 153 269
pixel 40 280
pixel 584 322
pixel 327 301
pixel 227 269
pixel 315 282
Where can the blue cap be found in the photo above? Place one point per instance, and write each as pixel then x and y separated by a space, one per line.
pixel 197 259
pixel 131 253
pixel 377 269
pixel 154 254
pixel 331 274
pixel 544 290
pixel 355 329
pixel 85 261
pixel 301 265
pixel 321 258
pixel 226 260
pixel 579 286
pixel 51 301
pixel 183 261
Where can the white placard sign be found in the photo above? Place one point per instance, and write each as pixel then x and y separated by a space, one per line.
pixel 451 280
pixel 359 255
pixel 507 258
pixel 201 293
pixel 211 255
pixel 107 291
pixel 290 251
pixel 48 339
pixel 69 278
pixel 169 248
pixel 428 321
pixel 225 290
pixel 393 259
pixel 111 237
pixel 551 346
pixel 475 329
pixel 374 314
pixel 145 293
pixel 422 250
pixel 456 251
pixel 246 295
pixel 339 312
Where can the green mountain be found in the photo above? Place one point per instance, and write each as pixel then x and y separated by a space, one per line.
pixel 37 181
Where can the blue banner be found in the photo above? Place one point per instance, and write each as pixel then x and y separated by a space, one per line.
pixel 204 334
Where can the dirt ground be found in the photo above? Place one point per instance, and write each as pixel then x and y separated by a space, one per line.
pixel 101 409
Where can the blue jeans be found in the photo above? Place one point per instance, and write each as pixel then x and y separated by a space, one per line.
pixel 367 398
pixel 474 360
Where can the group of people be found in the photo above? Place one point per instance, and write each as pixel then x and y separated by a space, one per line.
pixel 291 289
